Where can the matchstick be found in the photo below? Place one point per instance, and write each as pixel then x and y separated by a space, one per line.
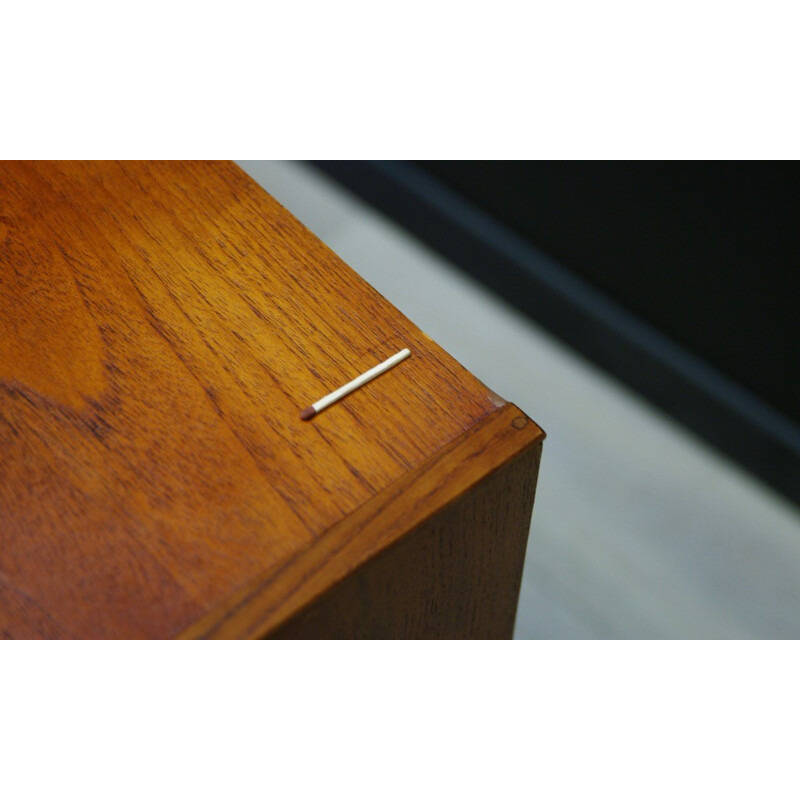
pixel 315 408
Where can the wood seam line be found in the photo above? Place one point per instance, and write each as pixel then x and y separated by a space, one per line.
pixel 240 595
pixel 263 627
pixel 264 604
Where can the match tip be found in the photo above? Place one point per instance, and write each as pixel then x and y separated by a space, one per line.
pixel 307 412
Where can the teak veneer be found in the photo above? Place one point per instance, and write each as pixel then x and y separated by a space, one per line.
pixel 161 327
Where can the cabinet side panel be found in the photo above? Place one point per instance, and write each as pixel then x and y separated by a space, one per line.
pixel 455 576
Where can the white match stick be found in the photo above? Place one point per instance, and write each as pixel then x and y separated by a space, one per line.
pixel 315 408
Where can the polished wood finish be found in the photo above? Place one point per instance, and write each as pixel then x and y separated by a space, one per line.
pixel 456 576
pixel 495 519
pixel 161 327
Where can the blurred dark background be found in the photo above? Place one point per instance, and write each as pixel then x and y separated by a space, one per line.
pixel 679 278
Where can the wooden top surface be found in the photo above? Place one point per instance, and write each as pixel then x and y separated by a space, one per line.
pixel 161 327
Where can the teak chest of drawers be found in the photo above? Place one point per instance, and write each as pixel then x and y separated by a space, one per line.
pixel 161 327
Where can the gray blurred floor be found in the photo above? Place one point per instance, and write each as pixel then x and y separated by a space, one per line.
pixel 639 529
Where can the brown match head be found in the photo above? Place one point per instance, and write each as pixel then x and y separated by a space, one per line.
pixel 307 412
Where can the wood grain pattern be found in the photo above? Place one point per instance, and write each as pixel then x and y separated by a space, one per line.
pixel 161 326
pixel 410 502
pixel 456 576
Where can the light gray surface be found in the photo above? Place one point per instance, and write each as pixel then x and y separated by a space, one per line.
pixel 639 529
